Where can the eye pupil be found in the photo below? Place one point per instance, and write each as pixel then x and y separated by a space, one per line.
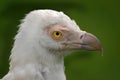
pixel 57 33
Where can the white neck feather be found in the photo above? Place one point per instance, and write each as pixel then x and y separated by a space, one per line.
pixel 49 63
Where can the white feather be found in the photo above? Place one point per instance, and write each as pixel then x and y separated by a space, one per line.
pixel 30 59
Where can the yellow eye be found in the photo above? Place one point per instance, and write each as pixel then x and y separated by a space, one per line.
pixel 57 35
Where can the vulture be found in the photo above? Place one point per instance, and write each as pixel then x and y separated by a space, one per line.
pixel 43 39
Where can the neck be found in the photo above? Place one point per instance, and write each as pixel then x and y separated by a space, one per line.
pixel 49 63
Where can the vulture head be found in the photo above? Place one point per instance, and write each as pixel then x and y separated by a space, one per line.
pixel 55 31
pixel 44 37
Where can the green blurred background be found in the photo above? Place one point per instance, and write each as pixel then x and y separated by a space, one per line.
pixel 100 17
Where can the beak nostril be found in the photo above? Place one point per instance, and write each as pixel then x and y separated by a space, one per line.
pixel 81 36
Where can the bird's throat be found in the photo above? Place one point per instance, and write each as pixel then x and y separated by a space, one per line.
pixel 47 63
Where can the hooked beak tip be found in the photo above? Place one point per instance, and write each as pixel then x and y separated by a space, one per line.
pixel 86 41
pixel 90 42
